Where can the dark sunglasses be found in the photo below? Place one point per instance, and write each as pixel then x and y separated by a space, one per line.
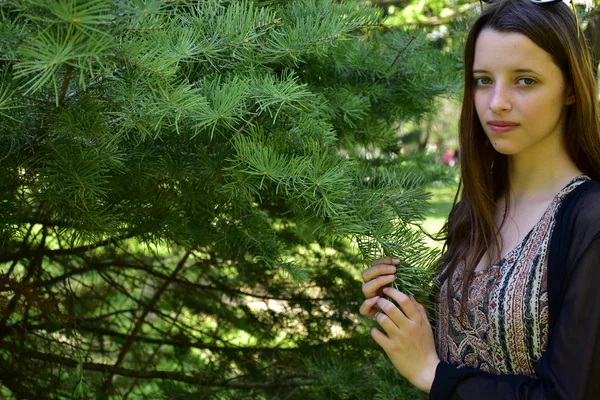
pixel 542 2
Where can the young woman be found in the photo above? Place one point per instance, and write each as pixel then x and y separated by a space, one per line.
pixel 518 306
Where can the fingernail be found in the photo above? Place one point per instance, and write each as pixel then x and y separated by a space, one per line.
pixel 395 260
pixel 392 268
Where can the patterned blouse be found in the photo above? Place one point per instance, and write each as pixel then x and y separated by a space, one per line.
pixel 505 326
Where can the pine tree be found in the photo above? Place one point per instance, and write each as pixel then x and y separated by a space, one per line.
pixel 184 185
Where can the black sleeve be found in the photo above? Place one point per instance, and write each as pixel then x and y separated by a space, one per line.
pixel 570 367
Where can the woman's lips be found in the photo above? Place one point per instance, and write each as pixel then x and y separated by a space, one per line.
pixel 502 126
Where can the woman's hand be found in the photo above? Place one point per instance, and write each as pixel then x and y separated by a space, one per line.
pixel 409 342
pixel 380 274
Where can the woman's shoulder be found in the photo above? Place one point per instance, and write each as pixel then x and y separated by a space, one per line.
pixel 586 195
pixel 581 207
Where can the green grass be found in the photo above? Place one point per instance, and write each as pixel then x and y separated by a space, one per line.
pixel 442 197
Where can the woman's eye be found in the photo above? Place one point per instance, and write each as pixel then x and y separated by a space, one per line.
pixel 526 81
pixel 482 81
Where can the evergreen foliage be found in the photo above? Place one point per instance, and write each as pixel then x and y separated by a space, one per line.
pixel 181 187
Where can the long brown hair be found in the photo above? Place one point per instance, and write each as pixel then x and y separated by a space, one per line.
pixel 470 229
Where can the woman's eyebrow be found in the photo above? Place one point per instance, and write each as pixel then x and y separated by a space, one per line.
pixel 525 70
pixel 520 70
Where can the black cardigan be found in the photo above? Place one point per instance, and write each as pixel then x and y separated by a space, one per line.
pixel 569 369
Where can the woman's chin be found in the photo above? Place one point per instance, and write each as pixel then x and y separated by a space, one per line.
pixel 504 148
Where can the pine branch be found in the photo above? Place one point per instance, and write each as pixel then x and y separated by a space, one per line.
pixel 94 266
pixel 234 128
pixel 147 309
pixel 65 85
pixel 155 352
pixel 33 269
pixel 196 380
pixel 62 252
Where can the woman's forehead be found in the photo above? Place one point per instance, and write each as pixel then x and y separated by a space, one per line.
pixel 509 50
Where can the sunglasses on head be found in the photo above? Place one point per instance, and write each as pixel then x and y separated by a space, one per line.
pixel 533 1
pixel 542 2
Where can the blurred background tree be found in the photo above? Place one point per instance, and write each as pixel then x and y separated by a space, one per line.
pixel 184 187
pixel 444 25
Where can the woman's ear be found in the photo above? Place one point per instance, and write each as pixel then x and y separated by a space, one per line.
pixel 570 96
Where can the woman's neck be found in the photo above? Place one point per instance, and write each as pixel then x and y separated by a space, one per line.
pixel 539 178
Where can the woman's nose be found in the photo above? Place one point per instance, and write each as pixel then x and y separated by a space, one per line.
pixel 500 100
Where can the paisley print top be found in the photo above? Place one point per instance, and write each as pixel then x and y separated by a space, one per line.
pixel 505 327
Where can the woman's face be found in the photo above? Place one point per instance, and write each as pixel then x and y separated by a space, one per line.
pixel 520 94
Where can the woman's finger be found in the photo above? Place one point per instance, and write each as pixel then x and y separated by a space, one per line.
pixel 378 270
pixel 373 287
pixel 381 339
pixel 369 307
pixel 393 313
pixel 421 309
pixel 387 318
pixel 405 303
pixel 385 260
